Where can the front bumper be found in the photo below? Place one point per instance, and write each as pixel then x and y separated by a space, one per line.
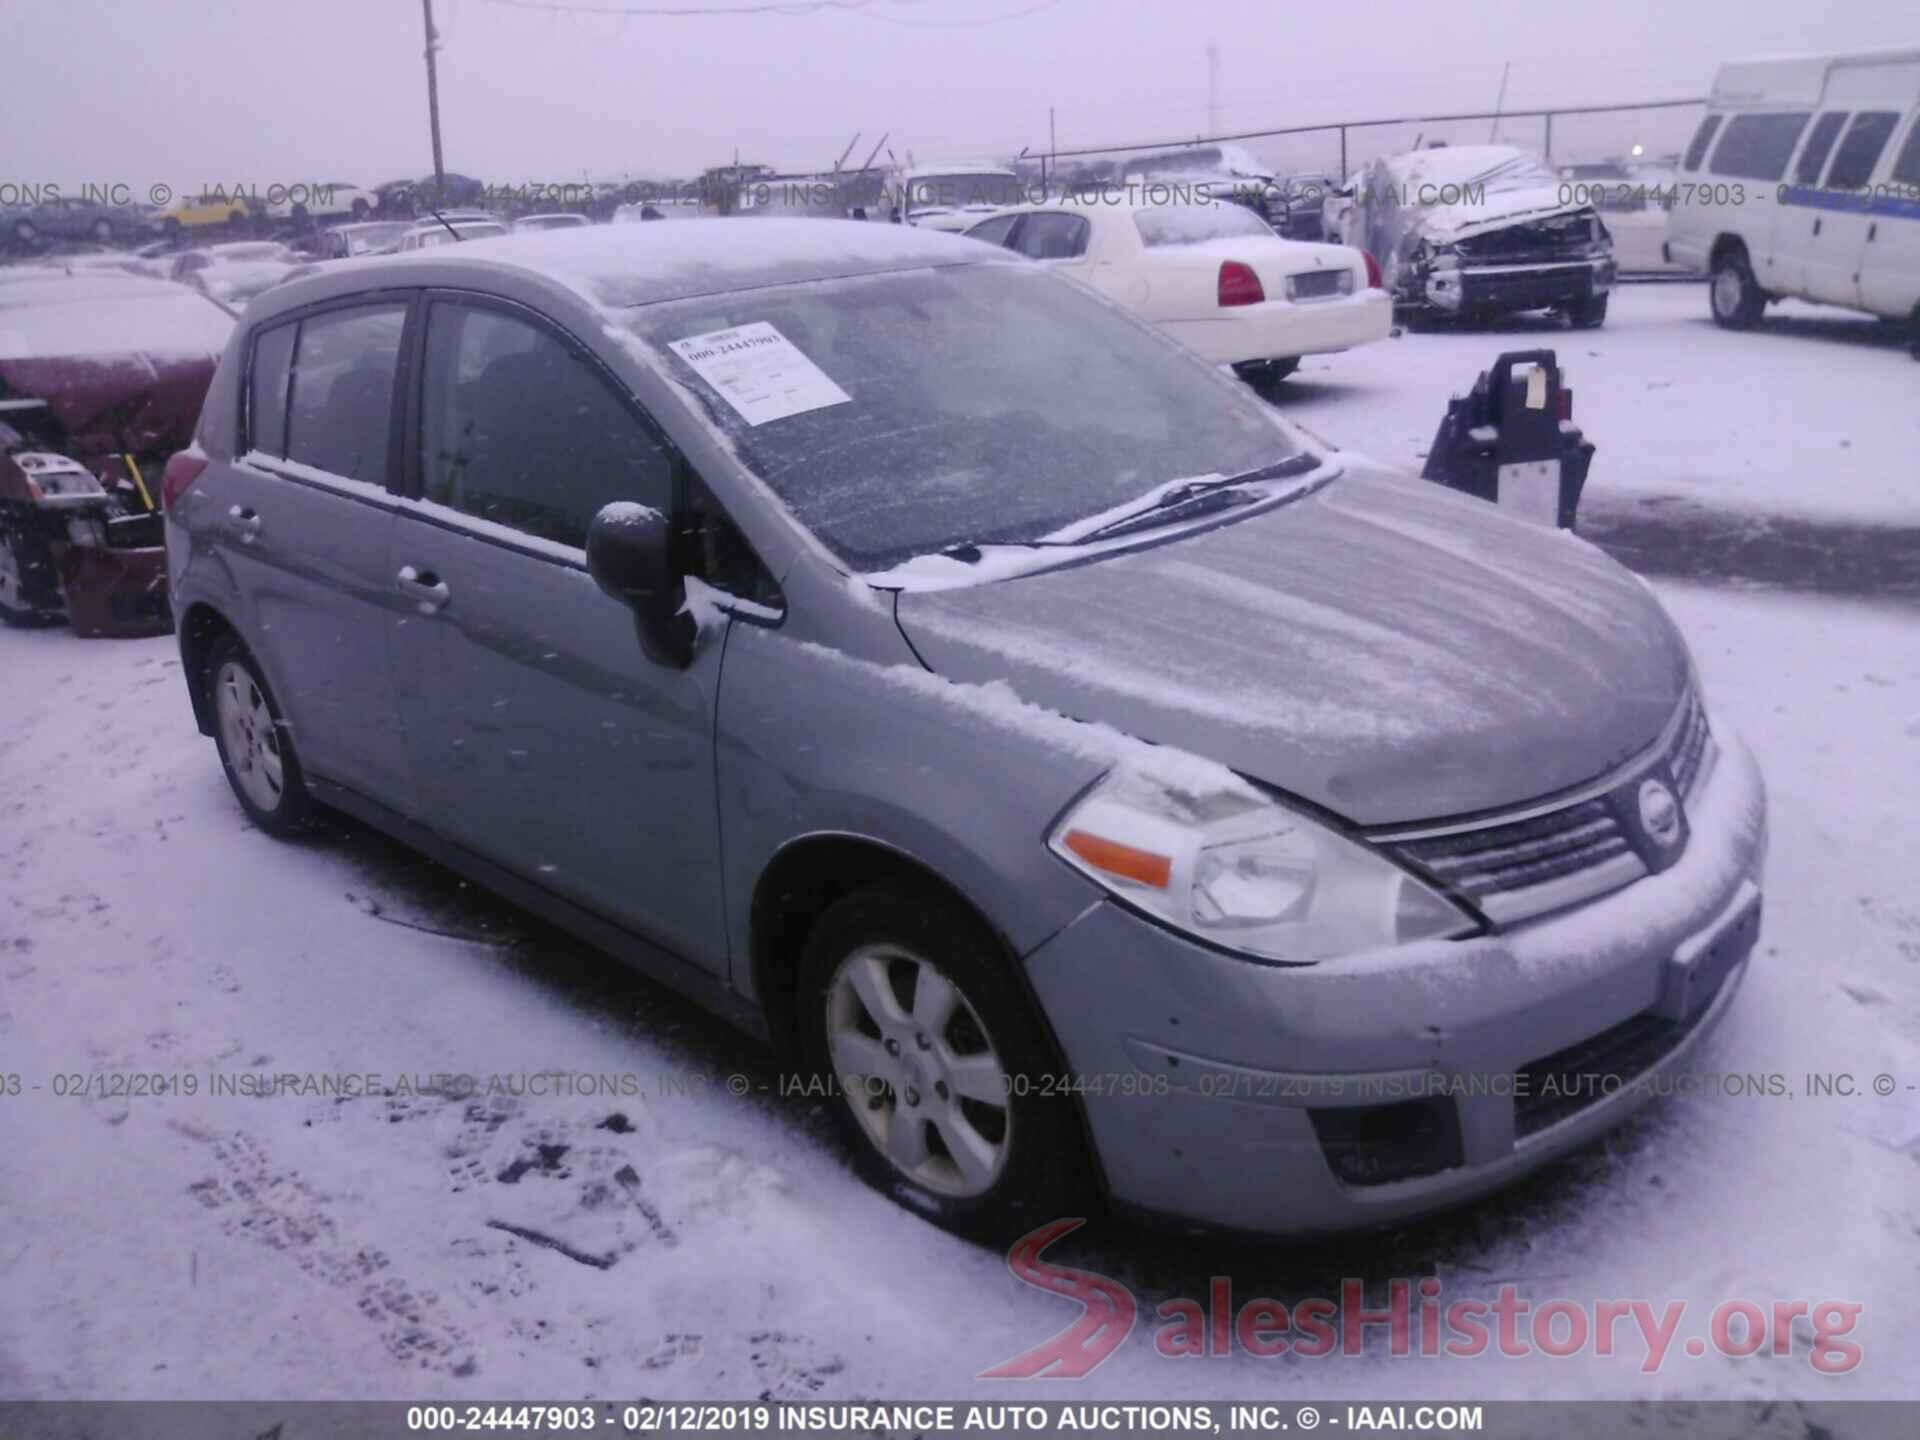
pixel 1267 1070
pixel 1282 329
pixel 1469 288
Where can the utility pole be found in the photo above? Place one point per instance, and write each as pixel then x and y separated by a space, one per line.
pixel 433 105
pixel 1213 88
pixel 1494 133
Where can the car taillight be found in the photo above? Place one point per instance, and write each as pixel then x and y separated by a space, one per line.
pixel 1565 403
pixel 1239 285
pixel 182 470
pixel 1373 271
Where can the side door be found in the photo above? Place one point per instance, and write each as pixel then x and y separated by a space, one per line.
pixel 1890 269
pixel 540 736
pixel 306 515
pixel 1833 269
pixel 1801 225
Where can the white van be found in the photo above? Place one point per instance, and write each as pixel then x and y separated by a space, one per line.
pixel 1804 180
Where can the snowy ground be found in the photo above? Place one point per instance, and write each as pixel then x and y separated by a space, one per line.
pixel 221 1245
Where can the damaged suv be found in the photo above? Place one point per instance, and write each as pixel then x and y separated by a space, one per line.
pixel 1472 232
pixel 930 666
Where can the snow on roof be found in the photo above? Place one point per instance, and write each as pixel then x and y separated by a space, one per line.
pixel 616 266
pixel 970 167
pixel 156 318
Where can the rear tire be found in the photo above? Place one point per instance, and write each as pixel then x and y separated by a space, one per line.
pixel 1589 314
pixel 1735 295
pixel 1266 376
pixel 936 1063
pixel 256 747
pixel 1913 333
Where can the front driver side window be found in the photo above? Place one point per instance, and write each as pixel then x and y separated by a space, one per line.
pixel 520 430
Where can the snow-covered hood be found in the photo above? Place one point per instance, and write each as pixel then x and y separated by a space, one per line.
pixel 1441 223
pixel 1382 647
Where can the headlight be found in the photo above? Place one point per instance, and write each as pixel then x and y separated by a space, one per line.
pixel 1238 870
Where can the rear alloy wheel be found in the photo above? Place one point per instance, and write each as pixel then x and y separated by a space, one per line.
pixel 937 1064
pixel 1735 295
pixel 1589 314
pixel 255 748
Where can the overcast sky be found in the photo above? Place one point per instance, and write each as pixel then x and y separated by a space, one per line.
pixel 192 94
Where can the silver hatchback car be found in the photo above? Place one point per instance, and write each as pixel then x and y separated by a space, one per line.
pixel 927 665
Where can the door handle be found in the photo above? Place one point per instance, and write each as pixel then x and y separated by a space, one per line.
pixel 426 589
pixel 246 520
pixel 1816 227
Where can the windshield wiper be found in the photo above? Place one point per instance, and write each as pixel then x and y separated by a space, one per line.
pixel 1174 501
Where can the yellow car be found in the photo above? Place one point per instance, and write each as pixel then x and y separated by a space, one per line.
pixel 191 212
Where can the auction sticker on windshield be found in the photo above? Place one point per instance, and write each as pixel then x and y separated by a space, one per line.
pixel 759 372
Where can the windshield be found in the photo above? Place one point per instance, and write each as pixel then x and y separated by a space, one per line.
pixel 905 414
pixel 954 192
pixel 1191 224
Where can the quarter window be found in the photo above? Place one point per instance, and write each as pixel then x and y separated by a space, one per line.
pixel 267 390
pixel 1756 147
pixel 519 430
pixel 1813 157
pixel 994 231
pixel 1853 162
pixel 339 418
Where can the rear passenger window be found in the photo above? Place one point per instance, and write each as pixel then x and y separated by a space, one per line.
pixel 1854 161
pixel 1756 147
pixel 340 416
pixel 1702 138
pixel 1054 237
pixel 1813 158
pixel 519 430
pixel 267 390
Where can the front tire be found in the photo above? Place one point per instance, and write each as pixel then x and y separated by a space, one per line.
pixel 256 748
pixel 1735 295
pixel 938 1064
pixel 1589 314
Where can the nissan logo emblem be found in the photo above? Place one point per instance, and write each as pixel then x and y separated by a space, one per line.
pixel 1659 814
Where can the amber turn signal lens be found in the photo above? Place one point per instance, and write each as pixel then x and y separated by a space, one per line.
pixel 1142 866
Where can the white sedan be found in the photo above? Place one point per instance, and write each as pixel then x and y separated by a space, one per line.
pixel 1211 274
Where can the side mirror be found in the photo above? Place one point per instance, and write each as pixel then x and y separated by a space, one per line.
pixel 629 555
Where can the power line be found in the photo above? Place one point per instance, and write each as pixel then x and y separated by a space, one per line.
pixel 863 8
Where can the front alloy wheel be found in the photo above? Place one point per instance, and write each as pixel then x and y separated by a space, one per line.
pixel 945 1080
pixel 919 1070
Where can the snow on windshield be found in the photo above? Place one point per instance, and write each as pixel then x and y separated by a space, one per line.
pixel 988 404
pixel 1193 224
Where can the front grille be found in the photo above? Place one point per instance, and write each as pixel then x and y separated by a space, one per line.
pixel 1514 868
pixel 1522 853
pixel 1689 748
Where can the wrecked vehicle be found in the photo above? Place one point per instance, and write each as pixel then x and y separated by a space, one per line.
pixel 101 377
pixel 1470 232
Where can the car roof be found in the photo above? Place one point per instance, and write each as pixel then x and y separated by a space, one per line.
pixel 616 266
